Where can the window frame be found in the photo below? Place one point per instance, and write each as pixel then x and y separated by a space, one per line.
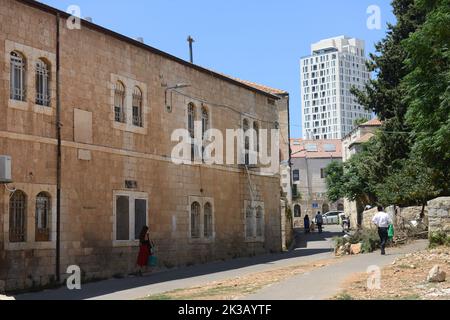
pixel 132 196
pixel 137 103
pixel 16 69
pixel 43 81
pixel 38 231
pixel 202 201
pixel 254 237
pixel 13 207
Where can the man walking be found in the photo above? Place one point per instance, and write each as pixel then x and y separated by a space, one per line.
pixel 382 220
pixel 319 221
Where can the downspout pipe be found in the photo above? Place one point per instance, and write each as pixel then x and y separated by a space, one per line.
pixel 58 157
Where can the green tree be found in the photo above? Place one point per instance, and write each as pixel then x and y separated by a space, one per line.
pixel 427 89
pixel 334 180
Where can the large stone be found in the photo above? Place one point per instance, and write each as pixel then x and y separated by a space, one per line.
pixel 356 248
pixel 436 274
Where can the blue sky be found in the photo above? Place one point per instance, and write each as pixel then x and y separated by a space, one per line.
pixel 256 40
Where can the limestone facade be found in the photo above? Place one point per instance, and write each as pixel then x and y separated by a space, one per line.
pixel 108 165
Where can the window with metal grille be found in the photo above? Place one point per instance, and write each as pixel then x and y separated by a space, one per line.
pixel 18 77
pixel 246 128
pixel 119 102
pixel 42 83
pixel 43 217
pixel 195 220
pixel 208 220
pixel 249 223
pixel 256 128
pixel 137 107
pixel 122 218
pixel 259 222
pixel 191 128
pixel 17 217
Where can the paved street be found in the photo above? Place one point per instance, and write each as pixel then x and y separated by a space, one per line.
pixel 319 284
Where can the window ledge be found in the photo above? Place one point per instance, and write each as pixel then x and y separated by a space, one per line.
pixel 125 243
pixel 17 104
pixel 129 128
pixel 201 241
pixel 47 110
pixel 255 240
pixel 19 246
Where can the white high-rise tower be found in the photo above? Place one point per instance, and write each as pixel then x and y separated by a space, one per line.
pixel 335 65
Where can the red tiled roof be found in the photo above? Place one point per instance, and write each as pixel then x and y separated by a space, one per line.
pixel 373 123
pixel 365 138
pixel 298 147
pixel 260 86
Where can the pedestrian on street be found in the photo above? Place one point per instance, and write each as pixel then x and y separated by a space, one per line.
pixel 307 224
pixel 382 220
pixel 144 250
pixel 319 221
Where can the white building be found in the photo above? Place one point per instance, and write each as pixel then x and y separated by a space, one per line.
pixel 335 65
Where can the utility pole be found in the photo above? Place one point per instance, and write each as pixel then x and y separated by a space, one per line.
pixel 191 40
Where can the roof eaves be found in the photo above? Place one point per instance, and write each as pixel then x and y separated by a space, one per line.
pixel 49 9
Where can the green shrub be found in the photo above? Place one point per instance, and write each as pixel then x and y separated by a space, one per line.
pixel 439 238
pixel 368 238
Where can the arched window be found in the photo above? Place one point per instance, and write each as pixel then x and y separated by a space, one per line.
pixel 340 207
pixel 195 220
pixel 43 217
pixel 119 102
pixel 208 220
pixel 205 121
pixel 246 127
pixel 18 77
pixel 256 129
pixel 259 222
pixel 249 223
pixel 137 107
pixel 17 217
pixel 297 211
pixel 191 128
pixel 42 83
pixel 325 208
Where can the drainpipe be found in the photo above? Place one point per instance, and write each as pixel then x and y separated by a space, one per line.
pixel 58 158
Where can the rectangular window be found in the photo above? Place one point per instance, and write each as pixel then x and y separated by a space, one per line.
pixel 323 174
pixel 296 175
pixel 130 215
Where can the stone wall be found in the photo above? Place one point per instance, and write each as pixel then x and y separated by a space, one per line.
pixel 96 166
pixel 439 215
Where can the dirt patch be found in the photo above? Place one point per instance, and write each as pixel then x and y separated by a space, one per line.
pixel 239 287
pixel 405 279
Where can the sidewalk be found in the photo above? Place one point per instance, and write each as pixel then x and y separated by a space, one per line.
pixel 317 247
pixel 326 282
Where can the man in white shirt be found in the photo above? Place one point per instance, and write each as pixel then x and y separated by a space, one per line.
pixel 382 220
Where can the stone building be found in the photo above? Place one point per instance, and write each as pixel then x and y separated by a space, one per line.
pixel 120 102
pixel 352 144
pixel 309 161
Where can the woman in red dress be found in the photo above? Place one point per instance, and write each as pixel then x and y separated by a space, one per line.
pixel 144 249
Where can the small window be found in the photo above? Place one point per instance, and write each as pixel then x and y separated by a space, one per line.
pixel 43 217
pixel 17 77
pixel 256 128
pixel 249 223
pixel 259 222
pixel 17 217
pixel 42 83
pixel 246 128
pixel 297 211
pixel 205 121
pixel 296 175
pixel 191 128
pixel 312 147
pixel 195 220
pixel 323 173
pixel 137 107
pixel 208 221
pixel 119 102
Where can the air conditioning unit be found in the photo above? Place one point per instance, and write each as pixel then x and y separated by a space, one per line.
pixel 5 169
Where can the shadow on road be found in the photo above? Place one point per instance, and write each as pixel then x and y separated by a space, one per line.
pixel 116 285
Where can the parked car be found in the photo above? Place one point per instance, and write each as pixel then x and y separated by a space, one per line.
pixel 332 217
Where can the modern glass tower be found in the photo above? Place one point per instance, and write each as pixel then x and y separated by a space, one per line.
pixel 335 65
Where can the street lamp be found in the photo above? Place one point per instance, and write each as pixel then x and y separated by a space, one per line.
pixel 177 86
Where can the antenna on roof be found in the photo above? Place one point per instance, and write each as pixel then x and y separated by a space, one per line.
pixel 191 40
